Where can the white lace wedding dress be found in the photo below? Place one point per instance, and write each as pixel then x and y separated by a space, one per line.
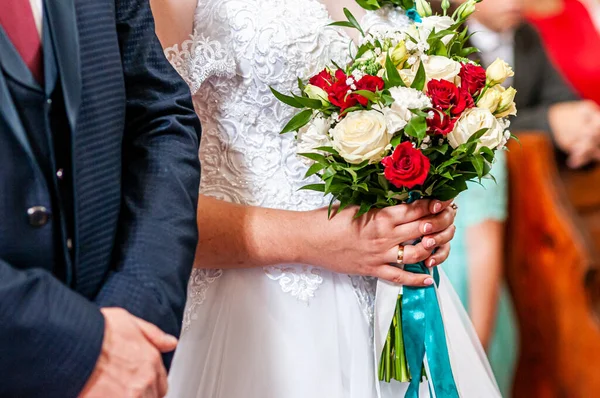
pixel 291 331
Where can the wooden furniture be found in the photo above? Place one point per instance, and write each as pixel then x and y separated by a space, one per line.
pixel 553 271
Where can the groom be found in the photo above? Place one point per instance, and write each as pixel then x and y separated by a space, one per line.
pixel 99 178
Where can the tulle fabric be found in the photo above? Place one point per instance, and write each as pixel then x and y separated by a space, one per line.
pixel 250 340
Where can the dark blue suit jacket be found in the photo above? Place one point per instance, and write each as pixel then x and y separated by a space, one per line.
pixel 134 140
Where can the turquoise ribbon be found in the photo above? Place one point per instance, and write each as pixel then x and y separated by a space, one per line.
pixel 424 334
pixel 413 14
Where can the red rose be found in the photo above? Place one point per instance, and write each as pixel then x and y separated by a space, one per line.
pixel 472 78
pixel 323 80
pixel 440 123
pixel 447 96
pixel 339 95
pixel 406 167
pixel 369 83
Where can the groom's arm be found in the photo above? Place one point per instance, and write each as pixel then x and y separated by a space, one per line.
pixel 157 235
pixel 50 337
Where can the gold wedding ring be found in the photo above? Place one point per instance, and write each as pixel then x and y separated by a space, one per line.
pixel 400 259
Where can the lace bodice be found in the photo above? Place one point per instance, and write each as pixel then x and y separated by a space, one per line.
pixel 238 50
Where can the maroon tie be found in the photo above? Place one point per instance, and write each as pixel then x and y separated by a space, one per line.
pixel 17 20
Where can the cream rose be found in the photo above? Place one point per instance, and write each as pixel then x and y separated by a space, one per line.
pixel 498 72
pixel 314 135
pixel 360 136
pixel 500 101
pixel 471 122
pixel 436 67
pixel 490 99
pixel 507 106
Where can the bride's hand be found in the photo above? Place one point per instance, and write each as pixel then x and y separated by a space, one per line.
pixel 369 245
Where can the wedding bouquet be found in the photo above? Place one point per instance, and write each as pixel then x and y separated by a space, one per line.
pixel 409 117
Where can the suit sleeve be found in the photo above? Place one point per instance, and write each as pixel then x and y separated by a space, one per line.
pixel 552 89
pixel 50 336
pixel 157 234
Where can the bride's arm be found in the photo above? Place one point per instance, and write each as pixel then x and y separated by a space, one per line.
pixel 174 20
pixel 236 236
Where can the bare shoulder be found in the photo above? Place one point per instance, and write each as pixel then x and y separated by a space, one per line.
pixel 174 20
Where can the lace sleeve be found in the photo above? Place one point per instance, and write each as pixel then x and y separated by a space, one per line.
pixel 385 18
pixel 488 202
pixel 207 52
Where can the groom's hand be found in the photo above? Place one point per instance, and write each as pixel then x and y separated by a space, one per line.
pixel 130 364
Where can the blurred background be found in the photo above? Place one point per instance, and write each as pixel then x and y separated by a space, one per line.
pixel 525 261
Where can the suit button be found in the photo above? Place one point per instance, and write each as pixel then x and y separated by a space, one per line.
pixel 60 173
pixel 38 216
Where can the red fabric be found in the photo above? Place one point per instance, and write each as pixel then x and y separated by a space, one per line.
pixel 573 43
pixel 18 22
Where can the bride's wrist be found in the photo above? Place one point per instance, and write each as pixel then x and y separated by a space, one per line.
pixel 302 234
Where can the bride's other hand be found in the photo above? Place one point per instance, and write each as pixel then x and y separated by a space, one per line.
pixel 369 244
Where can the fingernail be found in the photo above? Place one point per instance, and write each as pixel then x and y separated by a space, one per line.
pixel 432 263
pixel 170 339
pixel 437 207
pixel 428 228
pixel 430 243
pixel 428 282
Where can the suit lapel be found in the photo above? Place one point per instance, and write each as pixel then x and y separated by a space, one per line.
pixel 9 113
pixel 65 38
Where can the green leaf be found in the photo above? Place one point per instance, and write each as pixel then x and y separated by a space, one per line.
pixel 286 99
pixel 353 20
pixel 365 207
pixel 301 85
pixel 478 162
pixel 309 103
pixel 314 187
pixel 344 24
pixel 328 149
pixel 477 135
pixel 298 121
pixel 370 95
pixel 314 169
pixel 393 77
pixel 419 82
pixel 465 52
pixel 317 157
pixel 417 127
pixel 370 5
pixel 447 175
pixel 396 140
pixel 352 173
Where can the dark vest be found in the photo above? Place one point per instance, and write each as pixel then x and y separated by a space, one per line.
pixel 43 115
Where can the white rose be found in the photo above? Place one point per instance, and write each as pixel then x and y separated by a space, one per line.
pixel 314 135
pixel 398 114
pixel 498 72
pixel 471 122
pixel 360 136
pixel 437 23
pixel 317 93
pixel 436 67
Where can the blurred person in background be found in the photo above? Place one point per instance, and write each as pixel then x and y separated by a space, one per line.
pixel 476 267
pixel 546 102
pixel 570 31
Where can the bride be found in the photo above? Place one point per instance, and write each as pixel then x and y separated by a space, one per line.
pixel 272 311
